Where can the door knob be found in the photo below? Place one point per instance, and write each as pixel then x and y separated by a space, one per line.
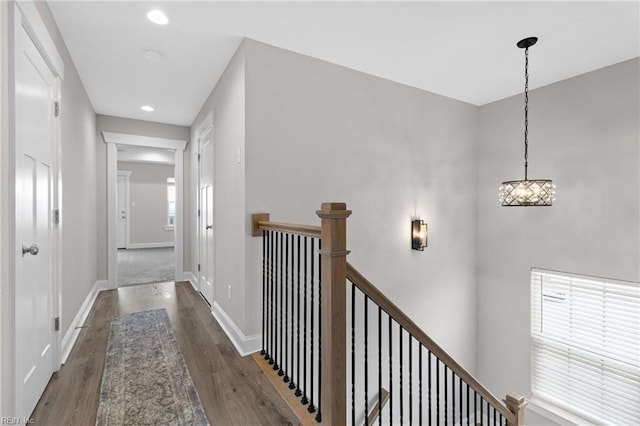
pixel 209 227
pixel 32 250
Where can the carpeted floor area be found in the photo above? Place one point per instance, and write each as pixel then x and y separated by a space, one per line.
pixel 143 266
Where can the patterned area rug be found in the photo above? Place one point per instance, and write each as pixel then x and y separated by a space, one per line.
pixel 145 380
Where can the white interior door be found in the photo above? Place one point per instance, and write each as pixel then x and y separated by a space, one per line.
pixel 123 210
pixel 34 225
pixel 206 217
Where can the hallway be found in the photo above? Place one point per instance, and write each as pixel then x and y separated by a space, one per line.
pixel 232 389
pixel 145 266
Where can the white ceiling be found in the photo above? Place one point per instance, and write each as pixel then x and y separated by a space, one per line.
pixel 464 50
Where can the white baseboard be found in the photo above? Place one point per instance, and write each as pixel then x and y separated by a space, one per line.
pixel 188 276
pixel 71 335
pixel 245 345
pixel 150 245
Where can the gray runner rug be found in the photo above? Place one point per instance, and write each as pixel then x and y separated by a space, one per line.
pixel 145 379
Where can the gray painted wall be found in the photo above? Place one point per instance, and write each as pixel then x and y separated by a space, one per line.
pixel 128 126
pixel 227 101
pixel 320 132
pixel 584 134
pixel 78 196
pixel 148 209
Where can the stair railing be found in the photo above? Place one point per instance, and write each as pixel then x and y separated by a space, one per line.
pixel 395 372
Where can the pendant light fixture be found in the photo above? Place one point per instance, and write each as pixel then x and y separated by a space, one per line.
pixel 527 193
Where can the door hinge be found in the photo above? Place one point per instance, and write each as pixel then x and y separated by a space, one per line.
pixel 198 157
pixel 56 324
pixel 56 216
pixel 198 267
pixel 198 212
pixel 56 107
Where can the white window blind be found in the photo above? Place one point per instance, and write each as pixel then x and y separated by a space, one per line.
pixel 585 350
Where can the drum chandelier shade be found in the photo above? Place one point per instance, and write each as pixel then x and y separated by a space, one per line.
pixel 527 193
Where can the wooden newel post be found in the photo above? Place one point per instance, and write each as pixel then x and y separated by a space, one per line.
pixel 333 266
pixel 515 404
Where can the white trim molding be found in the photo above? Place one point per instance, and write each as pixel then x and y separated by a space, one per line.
pixel 245 345
pixel 73 331
pixel 37 30
pixel 113 139
pixel 189 276
pixel 151 245
pixel 148 141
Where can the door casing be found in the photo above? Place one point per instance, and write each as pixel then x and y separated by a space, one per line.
pixel 112 139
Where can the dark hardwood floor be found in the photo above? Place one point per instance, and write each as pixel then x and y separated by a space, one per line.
pixel 233 389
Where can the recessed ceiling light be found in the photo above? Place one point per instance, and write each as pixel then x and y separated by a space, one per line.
pixel 147 108
pixel 152 55
pixel 157 17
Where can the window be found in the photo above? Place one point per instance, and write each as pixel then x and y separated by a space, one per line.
pixel 171 201
pixel 585 351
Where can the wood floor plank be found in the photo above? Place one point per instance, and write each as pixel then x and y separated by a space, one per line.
pixel 233 389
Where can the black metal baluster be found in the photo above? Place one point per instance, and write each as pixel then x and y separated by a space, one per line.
pixel 311 408
pixel 280 288
pixel 274 316
pixel 446 396
pixel 438 390
pixel 390 370
pixel 501 419
pixel 319 415
pixel 410 378
pixel 429 386
pixel 264 292
pixel 453 397
pixel 269 300
pixel 379 365
pixel 294 383
pixel 400 361
pixel 420 383
pixel 366 357
pixel 475 407
pixel 353 354
pixel 305 354
pixel 468 411
pixel 285 289
pixel 482 410
pixel 460 398
pixel 494 415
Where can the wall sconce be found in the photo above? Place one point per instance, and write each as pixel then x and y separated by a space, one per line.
pixel 418 234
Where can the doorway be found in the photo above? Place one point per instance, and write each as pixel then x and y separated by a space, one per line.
pixel 206 230
pixel 146 215
pixel 135 146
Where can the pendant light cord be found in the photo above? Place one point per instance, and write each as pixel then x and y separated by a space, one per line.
pixel 526 111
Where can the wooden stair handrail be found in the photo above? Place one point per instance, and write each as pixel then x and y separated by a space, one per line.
pixel 260 222
pixel 401 318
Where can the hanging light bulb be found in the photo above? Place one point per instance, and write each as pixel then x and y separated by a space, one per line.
pixel 527 193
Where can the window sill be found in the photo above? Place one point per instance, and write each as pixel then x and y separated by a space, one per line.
pixel 557 414
pixel 169 227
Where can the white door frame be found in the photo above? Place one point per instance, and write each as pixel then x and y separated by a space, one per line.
pixel 203 129
pixel 24 14
pixel 127 197
pixel 113 139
